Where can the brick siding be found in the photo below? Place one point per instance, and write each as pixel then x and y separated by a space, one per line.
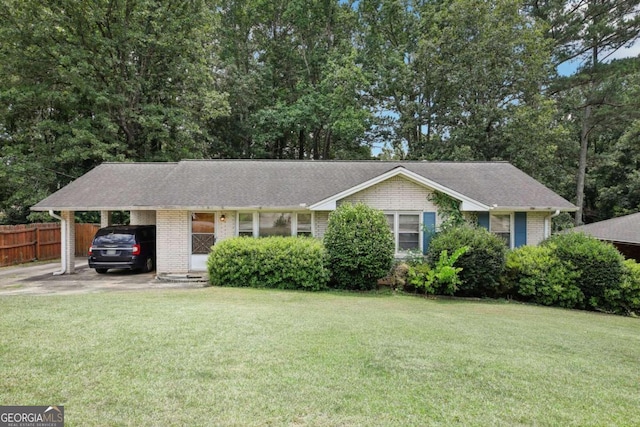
pixel 172 244
pixel 142 217
pixel 535 227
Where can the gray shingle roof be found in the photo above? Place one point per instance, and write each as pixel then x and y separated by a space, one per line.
pixel 624 229
pixel 277 183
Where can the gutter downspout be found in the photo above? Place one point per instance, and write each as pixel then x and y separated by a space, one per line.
pixel 547 225
pixel 63 238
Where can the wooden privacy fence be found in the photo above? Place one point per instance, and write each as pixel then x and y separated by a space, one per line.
pixel 29 242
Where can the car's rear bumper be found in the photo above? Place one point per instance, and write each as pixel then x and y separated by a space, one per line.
pixel 123 265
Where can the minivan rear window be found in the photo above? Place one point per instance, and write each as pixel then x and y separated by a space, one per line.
pixel 114 239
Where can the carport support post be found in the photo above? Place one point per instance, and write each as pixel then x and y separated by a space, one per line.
pixel 105 219
pixel 69 244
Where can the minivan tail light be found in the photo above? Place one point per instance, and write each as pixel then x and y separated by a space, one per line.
pixel 136 249
pixel 90 250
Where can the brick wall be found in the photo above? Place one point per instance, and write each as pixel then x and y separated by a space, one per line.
pixel 172 244
pixel 395 193
pixel 536 227
pixel 321 221
pixel 142 217
pixel 226 229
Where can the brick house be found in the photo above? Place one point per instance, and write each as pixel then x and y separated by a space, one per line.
pixel 195 203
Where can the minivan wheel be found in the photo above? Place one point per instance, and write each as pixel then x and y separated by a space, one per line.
pixel 148 265
pixel 101 270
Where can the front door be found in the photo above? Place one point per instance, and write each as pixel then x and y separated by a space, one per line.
pixel 203 236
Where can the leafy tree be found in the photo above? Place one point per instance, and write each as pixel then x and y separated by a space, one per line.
pixel 618 178
pixel 588 32
pixel 453 72
pixel 291 69
pixel 83 83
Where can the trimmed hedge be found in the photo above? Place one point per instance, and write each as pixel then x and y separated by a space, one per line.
pixel 270 262
pixel 481 265
pixel 360 247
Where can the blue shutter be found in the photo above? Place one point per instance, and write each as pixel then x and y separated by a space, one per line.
pixel 483 219
pixel 520 229
pixel 428 229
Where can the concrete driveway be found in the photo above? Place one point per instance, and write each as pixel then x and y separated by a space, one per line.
pixel 38 279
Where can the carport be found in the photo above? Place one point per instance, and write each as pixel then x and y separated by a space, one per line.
pixel 132 189
pixel 67 232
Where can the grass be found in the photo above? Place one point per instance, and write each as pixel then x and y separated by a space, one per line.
pixel 244 357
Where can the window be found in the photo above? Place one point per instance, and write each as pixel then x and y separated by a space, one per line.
pixel 274 224
pixel 245 224
pixel 501 225
pixel 406 230
pixel 263 224
pixel 303 224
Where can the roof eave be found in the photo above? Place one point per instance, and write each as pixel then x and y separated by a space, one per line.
pixel 300 207
pixel 532 208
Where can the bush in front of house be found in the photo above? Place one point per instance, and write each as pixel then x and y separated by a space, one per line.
pixel 482 264
pixel 625 298
pixel 442 278
pixel 360 247
pixel 536 275
pixel 598 266
pixel 270 262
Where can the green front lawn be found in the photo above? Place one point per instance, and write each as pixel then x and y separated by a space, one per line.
pixel 220 356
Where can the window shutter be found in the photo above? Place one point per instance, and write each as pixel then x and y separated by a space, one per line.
pixel 483 219
pixel 520 232
pixel 428 229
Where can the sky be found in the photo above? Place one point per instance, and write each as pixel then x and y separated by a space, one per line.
pixel 570 67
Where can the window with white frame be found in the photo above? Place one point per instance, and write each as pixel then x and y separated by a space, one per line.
pixel 245 224
pixel 303 224
pixel 263 224
pixel 500 224
pixel 405 227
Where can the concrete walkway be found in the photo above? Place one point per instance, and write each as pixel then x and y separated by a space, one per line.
pixel 38 279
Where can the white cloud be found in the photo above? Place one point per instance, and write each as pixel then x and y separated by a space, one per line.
pixel 626 52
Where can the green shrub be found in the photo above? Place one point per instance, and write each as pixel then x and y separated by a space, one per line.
pixel 625 299
pixel 360 247
pixel 598 265
pixel 537 275
pixel 440 279
pixel 481 265
pixel 420 279
pixel 271 262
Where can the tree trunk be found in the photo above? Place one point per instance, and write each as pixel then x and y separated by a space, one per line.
pixel 316 144
pixel 327 145
pixel 301 143
pixel 584 146
pixel 582 165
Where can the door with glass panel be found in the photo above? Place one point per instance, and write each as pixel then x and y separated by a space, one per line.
pixel 203 237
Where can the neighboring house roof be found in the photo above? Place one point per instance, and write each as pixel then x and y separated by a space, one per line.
pixel 233 184
pixel 624 229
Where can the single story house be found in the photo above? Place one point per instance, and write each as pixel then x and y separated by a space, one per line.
pixel 623 232
pixel 195 203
